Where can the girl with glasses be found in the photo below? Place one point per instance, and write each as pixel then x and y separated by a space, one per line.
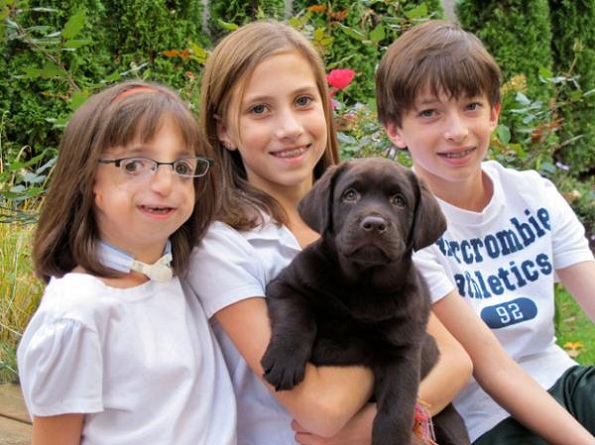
pixel 116 353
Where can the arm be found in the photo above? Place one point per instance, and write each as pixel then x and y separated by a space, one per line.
pixel 579 279
pixel 326 399
pixel 506 381
pixel 65 429
pixel 451 372
pixel 438 388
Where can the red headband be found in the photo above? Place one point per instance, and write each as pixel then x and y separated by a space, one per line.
pixel 134 90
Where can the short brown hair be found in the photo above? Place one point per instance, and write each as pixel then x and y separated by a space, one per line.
pixel 437 55
pixel 232 62
pixel 67 231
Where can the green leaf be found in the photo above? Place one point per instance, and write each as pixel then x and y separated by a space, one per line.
pixel 73 44
pixel 226 25
pixel 418 12
pixel 318 34
pixel 352 32
pixel 74 24
pixel 51 70
pixel 503 133
pixel 545 73
pixel 77 99
pixel 377 34
pixel 114 77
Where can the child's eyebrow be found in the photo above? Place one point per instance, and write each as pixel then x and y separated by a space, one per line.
pixel 426 101
pixel 308 89
pixel 146 149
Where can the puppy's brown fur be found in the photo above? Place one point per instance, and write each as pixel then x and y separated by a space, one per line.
pixel 354 296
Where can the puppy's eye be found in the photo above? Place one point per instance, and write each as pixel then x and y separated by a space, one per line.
pixel 350 195
pixel 398 200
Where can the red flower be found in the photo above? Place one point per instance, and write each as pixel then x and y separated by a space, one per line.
pixel 340 78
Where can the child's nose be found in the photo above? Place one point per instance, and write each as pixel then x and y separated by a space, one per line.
pixel 456 128
pixel 162 179
pixel 288 125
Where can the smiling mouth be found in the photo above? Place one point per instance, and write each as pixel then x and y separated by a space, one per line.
pixel 458 155
pixel 157 210
pixel 292 153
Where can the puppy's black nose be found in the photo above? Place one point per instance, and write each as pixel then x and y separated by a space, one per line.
pixel 374 224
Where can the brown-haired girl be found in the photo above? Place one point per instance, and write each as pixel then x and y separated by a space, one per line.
pixel 266 111
pixel 116 353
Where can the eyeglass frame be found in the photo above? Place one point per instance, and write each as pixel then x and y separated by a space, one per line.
pixel 155 165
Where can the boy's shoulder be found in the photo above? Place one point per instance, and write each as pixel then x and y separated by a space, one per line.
pixel 518 178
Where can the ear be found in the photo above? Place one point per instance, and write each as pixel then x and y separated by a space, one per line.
pixel 316 207
pixel 429 223
pixel 395 135
pixel 494 115
pixel 224 136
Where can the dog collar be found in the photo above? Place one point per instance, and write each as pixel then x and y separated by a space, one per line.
pixel 114 258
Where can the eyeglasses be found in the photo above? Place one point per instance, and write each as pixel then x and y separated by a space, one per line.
pixel 186 167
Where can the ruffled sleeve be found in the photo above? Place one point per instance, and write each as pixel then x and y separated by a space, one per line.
pixel 60 366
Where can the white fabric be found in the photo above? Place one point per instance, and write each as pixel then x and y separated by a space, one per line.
pixel 141 363
pixel 503 262
pixel 239 266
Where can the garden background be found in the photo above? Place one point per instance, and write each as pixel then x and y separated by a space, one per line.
pixel 54 54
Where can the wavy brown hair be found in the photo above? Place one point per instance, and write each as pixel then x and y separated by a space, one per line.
pixel 227 70
pixel 67 231
pixel 437 55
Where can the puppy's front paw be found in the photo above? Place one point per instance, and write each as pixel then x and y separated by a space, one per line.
pixel 284 367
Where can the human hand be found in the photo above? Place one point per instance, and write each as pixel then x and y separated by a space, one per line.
pixel 358 431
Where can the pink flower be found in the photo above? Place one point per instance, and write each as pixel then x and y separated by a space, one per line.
pixel 340 78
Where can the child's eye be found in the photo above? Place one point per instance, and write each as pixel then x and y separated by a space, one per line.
pixel 183 168
pixel 474 106
pixel 134 166
pixel 304 101
pixel 427 113
pixel 258 109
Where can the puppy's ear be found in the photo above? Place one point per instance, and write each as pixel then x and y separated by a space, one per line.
pixel 316 207
pixel 429 222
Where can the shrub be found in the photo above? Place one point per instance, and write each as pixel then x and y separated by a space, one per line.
pixel 573 49
pixel 517 33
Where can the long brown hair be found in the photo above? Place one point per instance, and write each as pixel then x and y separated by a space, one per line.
pixel 230 65
pixel 67 231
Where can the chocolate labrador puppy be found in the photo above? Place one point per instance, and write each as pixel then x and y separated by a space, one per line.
pixel 354 297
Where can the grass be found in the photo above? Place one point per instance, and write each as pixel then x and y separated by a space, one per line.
pixel 20 292
pixel 575 331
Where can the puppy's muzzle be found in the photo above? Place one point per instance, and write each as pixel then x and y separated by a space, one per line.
pixel 374 224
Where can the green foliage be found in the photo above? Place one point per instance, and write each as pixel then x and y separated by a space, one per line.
pixel 56 53
pixel 355 34
pixel 573 47
pixel 516 32
pixel 20 292
pixel 239 12
pixel 548 123
pixel 531 134
pixel 574 330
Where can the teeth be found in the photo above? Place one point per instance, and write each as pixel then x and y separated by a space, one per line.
pixel 290 153
pixel 159 210
pixel 461 154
